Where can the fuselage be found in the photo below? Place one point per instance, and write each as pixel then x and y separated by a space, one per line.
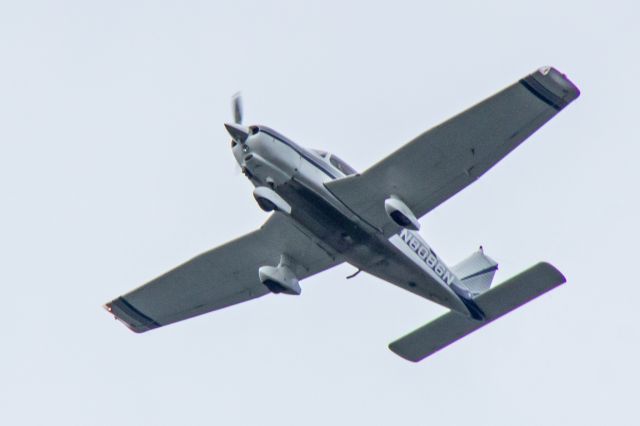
pixel 299 175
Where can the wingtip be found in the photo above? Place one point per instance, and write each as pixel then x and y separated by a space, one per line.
pixel 130 316
pixel 393 348
pixel 552 87
pixel 553 272
pixel 570 90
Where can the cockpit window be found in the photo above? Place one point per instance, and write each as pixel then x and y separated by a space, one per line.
pixel 322 154
pixel 341 165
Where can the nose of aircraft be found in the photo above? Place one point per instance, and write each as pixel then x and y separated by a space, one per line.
pixel 238 133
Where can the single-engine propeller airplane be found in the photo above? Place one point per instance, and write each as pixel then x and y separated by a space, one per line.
pixel 325 213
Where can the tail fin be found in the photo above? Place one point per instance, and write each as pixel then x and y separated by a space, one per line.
pixel 476 272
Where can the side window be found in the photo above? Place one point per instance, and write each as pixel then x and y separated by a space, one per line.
pixel 341 165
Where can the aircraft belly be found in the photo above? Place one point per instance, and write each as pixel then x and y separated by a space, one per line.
pixel 317 214
pixel 395 267
pixel 361 245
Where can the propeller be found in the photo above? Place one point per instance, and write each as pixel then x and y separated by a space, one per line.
pixel 236 104
pixel 238 132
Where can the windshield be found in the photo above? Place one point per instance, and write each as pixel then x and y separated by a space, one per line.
pixel 341 165
pixel 321 153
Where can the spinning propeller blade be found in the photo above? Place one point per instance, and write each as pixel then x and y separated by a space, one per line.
pixel 236 104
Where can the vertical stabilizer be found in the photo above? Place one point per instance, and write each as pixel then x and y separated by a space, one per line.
pixel 476 272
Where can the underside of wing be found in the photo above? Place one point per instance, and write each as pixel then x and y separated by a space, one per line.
pixel 222 277
pixel 442 161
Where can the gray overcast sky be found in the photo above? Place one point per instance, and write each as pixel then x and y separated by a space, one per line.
pixel 115 166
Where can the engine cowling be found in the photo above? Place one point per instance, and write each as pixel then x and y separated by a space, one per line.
pixel 280 279
pixel 400 213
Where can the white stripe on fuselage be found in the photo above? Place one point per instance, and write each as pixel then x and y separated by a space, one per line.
pixel 421 254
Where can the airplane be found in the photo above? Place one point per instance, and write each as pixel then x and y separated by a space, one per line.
pixel 324 213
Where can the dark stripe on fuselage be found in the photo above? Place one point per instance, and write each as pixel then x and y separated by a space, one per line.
pixel 326 169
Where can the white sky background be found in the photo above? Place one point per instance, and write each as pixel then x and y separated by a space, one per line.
pixel 115 167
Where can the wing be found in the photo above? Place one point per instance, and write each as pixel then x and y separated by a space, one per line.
pixel 222 277
pixel 442 161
